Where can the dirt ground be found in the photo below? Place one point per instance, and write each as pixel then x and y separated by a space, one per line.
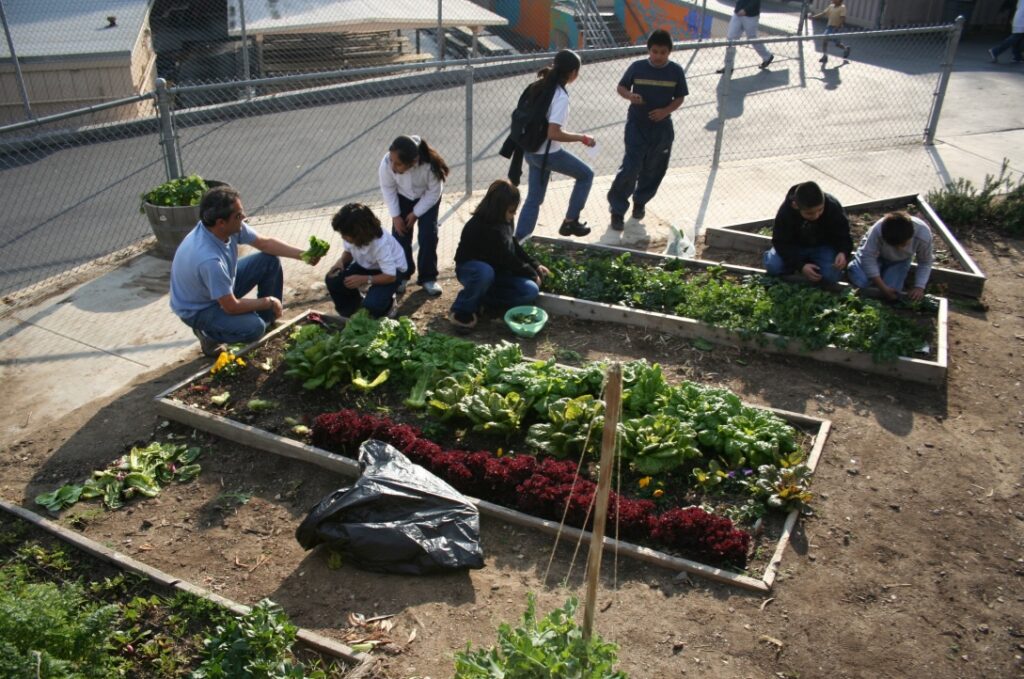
pixel 910 565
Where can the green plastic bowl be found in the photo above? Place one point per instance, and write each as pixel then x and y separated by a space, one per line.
pixel 526 321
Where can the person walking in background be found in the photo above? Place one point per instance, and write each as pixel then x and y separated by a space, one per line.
pixel 655 87
pixel 1015 40
pixel 811 235
pixel 552 157
pixel 490 263
pixel 372 257
pixel 412 178
pixel 836 14
pixel 745 18
pixel 885 254
pixel 209 282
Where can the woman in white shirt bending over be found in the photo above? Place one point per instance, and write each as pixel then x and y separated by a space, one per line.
pixel 551 156
pixel 412 178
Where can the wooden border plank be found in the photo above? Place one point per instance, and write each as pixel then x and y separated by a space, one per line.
pixel 968 283
pixel 125 562
pixel 284 446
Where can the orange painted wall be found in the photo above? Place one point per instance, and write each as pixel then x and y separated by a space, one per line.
pixel 535 21
pixel 640 17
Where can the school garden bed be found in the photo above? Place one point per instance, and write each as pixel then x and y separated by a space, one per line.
pixel 954 272
pixel 737 305
pixel 72 607
pixel 511 432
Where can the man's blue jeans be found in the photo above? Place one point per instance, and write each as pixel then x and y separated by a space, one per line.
pixel 894 273
pixel 260 271
pixel 824 256
pixel 426 228
pixel 347 301
pixel 480 284
pixel 560 161
pixel 648 151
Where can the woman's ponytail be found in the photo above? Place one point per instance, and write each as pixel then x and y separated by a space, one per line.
pixel 428 154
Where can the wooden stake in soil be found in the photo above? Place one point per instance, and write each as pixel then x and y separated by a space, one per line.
pixel 612 403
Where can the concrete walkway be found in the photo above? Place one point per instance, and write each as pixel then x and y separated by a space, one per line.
pixel 93 340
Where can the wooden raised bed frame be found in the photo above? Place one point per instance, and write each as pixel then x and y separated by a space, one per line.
pixel 126 563
pixel 286 447
pixel 967 283
pixel 907 368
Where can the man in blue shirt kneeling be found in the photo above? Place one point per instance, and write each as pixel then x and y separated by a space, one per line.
pixel 209 282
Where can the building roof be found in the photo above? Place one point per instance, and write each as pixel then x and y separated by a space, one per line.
pixel 55 29
pixel 354 16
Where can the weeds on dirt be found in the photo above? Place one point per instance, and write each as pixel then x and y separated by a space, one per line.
pixel 58 618
pixel 998 205
pixel 554 643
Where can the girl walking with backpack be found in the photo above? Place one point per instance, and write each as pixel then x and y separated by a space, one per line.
pixel 412 175
pixel 552 82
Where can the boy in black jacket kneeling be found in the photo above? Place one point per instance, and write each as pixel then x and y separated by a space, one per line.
pixel 811 235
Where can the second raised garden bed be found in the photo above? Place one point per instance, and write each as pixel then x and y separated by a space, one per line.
pixel 931 370
pixel 954 272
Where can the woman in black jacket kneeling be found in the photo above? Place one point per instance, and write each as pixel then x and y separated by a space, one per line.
pixel 489 263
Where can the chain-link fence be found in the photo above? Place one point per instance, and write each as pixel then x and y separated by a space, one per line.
pixel 72 195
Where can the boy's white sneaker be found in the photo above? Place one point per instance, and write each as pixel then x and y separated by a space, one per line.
pixel 432 288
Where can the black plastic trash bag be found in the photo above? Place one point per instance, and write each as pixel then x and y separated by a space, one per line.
pixel 396 518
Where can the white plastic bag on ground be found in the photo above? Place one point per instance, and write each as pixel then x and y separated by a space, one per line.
pixel 680 245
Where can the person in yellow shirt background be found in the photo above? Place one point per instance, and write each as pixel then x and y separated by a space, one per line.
pixel 836 14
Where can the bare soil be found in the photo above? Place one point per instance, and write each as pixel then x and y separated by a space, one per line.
pixel 910 565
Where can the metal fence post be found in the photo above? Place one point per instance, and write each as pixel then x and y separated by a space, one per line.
pixel 803 17
pixel 940 89
pixel 469 128
pixel 168 137
pixel 17 64
pixel 245 49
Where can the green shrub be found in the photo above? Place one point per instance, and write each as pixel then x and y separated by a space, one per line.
pixel 998 205
pixel 551 648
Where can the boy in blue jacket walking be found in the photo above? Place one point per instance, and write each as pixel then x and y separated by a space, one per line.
pixel 655 87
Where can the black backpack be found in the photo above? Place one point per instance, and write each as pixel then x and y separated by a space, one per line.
pixel 529 129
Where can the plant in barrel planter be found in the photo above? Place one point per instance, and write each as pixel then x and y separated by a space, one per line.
pixel 173 210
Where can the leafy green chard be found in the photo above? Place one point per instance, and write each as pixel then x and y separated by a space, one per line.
pixel 317 249
pixel 573 426
pixel 143 471
pixel 658 443
pixel 752 306
pixel 553 646
pixel 494 413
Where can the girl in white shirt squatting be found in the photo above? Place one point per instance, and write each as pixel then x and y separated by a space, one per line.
pixel 372 257
pixel 412 176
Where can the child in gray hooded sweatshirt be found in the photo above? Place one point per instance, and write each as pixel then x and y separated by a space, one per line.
pixel 885 254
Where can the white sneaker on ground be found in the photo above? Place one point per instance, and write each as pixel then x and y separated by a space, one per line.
pixel 402 285
pixel 432 288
